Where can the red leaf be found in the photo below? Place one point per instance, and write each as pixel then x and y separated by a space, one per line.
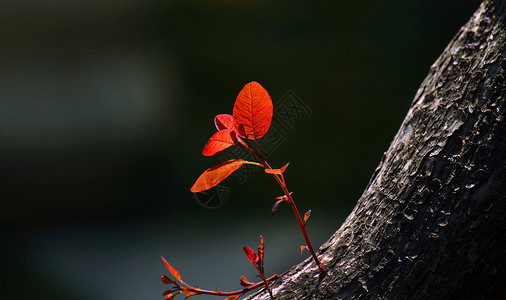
pixel 224 121
pixel 306 216
pixel 214 175
pixel 232 298
pixel 261 249
pixel 220 141
pixel 250 254
pixel 166 279
pixel 253 109
pixel 275 206
pixel 277 171
pixel 172 270
pixel 273 171
pixel 245 282
pixel 302 247
pixel 169 296
pixel 240 130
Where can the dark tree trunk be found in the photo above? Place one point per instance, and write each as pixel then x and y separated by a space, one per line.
pixel 432 222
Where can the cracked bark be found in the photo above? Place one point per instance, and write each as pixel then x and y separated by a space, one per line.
pixel 431 224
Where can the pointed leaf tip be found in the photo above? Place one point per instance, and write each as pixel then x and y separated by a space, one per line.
pixel 214 175
pixel 302 247
pixel 253 110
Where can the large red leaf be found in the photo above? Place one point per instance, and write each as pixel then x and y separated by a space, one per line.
pixel 220 141
pixel 224 121
pixel 214 175
pixel 253 109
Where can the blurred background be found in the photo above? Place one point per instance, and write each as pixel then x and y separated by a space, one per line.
pixel 105 107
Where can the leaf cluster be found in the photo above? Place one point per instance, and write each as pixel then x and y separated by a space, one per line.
pixel 251 119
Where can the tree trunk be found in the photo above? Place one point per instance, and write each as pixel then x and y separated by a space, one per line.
pixel 432 222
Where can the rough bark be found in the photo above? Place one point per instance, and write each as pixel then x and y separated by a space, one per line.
pixel 432 222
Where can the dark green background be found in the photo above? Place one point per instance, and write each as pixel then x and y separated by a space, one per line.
pixel 105 108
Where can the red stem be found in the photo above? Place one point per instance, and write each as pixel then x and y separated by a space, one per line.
pixel 266 282
pixel 297 215
pixel 282 184
pixel 239 292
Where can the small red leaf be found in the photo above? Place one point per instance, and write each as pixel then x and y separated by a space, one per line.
pixel 273 171
pixel 284 197
pixel 169 296
pixel 261 249
pixel 277 171
pixel 275 206
pixel 168 292
pixel 220 141
pixel 302 247
pixel 166 279
pixel 306 216
pixel 240 131
pixel 245 282
pixel 250 254
pixel 224 121
pixel 214 175
pixel 253 109
pixel 172 270
pixel 232 298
